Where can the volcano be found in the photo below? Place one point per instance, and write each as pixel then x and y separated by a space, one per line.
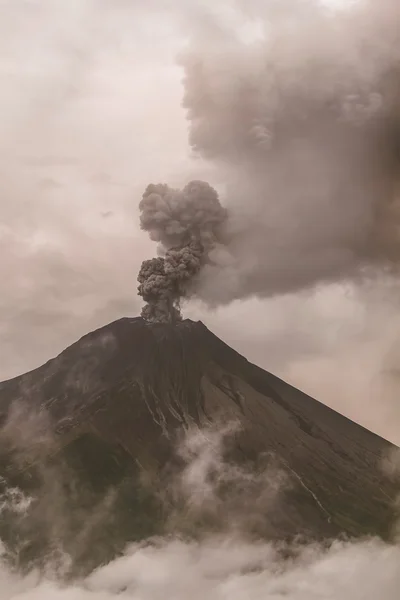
pixel 96 427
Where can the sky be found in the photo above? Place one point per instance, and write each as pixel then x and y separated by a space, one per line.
pixel 90 113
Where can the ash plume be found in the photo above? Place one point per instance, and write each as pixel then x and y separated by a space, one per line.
pixel 187 224
pixel 303 126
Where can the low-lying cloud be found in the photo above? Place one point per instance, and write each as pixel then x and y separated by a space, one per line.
pixel 223 564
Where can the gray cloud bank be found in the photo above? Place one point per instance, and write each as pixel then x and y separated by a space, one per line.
pixel 304 127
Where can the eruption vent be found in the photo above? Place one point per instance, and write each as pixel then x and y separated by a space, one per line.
pixel 187 224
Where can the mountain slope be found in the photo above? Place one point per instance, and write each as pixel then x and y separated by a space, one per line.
pixel 117 399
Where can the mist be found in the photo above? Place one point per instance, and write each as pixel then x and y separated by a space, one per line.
pixel 229 563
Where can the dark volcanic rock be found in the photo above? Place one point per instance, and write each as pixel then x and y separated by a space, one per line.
pixel 116 401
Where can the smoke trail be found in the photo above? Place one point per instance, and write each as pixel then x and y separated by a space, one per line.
pixel 187 225
pixel 303 125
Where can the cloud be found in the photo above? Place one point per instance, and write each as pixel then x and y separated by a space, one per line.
pixel 302 123
pixel 81 132
pixel 220 565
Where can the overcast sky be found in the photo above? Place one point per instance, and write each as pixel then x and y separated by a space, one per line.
pixel 90 113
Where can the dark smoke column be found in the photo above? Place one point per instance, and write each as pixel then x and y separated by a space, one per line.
pixel 187 224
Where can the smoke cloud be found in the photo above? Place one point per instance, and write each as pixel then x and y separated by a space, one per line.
pixel 187 225
pixel 302 120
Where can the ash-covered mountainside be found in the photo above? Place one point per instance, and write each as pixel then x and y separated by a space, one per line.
pixel 117 399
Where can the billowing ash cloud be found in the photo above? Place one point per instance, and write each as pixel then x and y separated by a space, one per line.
pixel 187 224
pixel 304 127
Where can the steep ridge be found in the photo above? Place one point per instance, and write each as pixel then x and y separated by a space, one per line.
pixel 117 401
